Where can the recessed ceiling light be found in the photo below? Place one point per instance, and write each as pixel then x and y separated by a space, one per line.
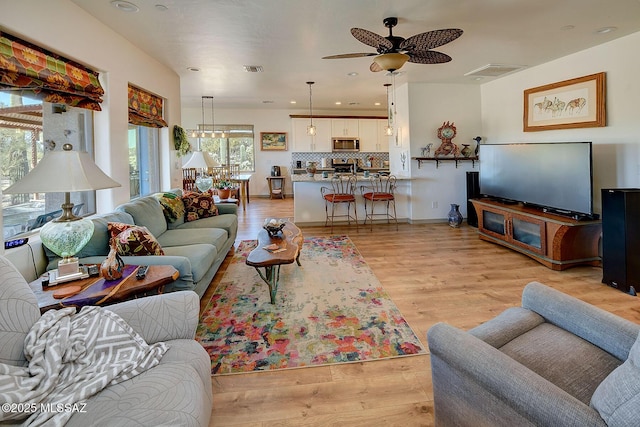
pixel 338 103
pixel 352 74
pixel 293 101
pixel 125 6
pixel 161 7
pixel 567 27
pixel 377 103
pixel 605 30
pixel 193 69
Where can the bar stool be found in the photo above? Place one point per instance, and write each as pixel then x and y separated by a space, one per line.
pixel 381 189
pixel 342 190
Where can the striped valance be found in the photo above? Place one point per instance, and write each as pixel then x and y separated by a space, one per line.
pixel 145 109
pixel 35 72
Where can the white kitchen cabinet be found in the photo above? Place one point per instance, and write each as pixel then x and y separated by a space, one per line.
pixel 344 127
pixel 383 138
pixel 372 136
pixel 368 134
pixel 301 142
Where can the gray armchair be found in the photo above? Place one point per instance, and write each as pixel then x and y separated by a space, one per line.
pixel 555 361
pixel 175 392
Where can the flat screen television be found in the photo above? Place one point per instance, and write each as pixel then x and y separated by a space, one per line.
pixel 554 176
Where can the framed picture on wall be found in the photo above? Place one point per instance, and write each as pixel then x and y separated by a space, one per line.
pixel 575 103
pixel 273 141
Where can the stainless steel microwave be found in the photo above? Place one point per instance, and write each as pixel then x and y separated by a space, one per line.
pixel 345 144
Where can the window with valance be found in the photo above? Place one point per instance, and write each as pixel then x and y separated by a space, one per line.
pixel 145 109
pixel 29 70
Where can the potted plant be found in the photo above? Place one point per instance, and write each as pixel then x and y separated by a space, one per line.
pixel 224 189
pixel 180 141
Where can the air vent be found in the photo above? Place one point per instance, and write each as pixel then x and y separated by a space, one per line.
pixel 253 68
pixel 494 70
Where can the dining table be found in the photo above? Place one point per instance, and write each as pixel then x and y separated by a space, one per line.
pixel 243 179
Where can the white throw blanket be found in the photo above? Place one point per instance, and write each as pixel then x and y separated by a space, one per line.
pixel 72 357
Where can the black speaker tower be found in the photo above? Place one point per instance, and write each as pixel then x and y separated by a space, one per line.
pixel 621 239
pixel 473 192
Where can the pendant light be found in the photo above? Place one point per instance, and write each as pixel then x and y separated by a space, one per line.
pixel 202 134
pixel 311 129
pixel 389 129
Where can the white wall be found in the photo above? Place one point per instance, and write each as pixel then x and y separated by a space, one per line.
pixel 616 147
pixel 272 120
pixel 64 28
pixel 262 121
pixel 429 106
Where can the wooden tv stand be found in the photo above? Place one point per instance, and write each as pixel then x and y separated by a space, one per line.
pixel 555 241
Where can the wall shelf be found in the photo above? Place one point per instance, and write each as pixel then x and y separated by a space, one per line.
pixel 473 160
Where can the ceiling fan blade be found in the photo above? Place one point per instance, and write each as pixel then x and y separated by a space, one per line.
pixel 375 67
pixel 429 57
pixel 430 39
pixel 371 39
pixel 349 55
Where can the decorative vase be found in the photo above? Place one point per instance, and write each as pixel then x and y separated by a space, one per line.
pixel 204 183
pixel 111 268
pixel 311 168
pixel 466 151
pixel 455 217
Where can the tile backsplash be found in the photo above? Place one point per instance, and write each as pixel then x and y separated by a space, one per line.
pixel 378 157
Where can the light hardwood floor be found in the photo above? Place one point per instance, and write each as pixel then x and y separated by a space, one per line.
pixel 434 273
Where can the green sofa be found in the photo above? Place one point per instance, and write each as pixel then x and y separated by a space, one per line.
pixel 196 249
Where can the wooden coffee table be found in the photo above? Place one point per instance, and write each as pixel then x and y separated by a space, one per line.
pixel 98 291
pixel 289 241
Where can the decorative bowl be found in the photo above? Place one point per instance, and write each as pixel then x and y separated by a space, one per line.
pixel 274 226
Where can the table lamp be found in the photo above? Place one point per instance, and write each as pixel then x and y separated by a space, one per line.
pixel 201 160
pixel 63 172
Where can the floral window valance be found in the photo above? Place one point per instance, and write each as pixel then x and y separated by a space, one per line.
pixel 37 73
pixel 145 109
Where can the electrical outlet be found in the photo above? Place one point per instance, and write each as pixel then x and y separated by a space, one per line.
pixel 434 205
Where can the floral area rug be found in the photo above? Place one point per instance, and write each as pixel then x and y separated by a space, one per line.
pixel 332 309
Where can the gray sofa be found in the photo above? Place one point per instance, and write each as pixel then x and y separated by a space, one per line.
pixel 555 361
pixel 176 392
pixel 196 249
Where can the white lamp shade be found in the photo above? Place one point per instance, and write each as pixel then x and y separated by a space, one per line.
pixel 211 162
pixel 63 171
pixel 197 161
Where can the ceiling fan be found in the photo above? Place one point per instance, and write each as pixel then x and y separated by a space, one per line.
pixel 393 51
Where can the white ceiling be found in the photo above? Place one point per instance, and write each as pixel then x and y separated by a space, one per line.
pixel 288 38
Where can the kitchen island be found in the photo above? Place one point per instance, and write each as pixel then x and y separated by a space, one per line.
pixel 308 204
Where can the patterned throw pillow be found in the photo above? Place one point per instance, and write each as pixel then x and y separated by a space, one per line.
pixel 198 205
pixel 133 240
pixel 172 206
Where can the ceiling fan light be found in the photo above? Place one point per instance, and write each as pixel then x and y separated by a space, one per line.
pixel 391 61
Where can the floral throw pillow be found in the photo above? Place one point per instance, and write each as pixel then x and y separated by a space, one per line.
pixel 172 206
pixel 133 240
pixel 198 205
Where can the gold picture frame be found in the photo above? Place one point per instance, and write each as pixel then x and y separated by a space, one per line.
pixel 273 141
pixel 569 104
